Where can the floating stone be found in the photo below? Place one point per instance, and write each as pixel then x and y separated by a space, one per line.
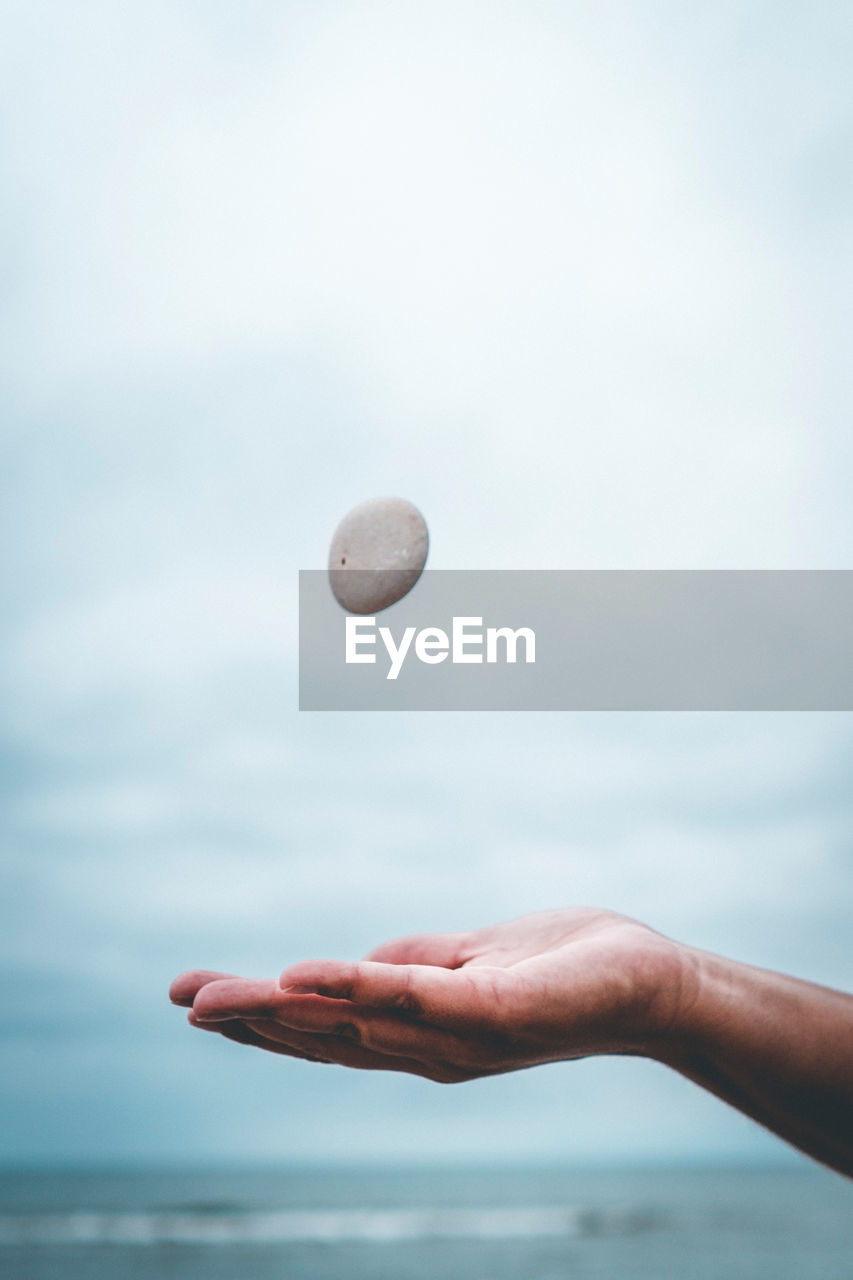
pixel 377 554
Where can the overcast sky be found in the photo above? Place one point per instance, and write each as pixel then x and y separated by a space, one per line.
pixel 575 279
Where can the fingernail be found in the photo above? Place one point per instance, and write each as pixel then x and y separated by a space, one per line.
pixel 299 989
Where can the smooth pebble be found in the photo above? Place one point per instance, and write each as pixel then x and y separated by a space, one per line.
pixel 377 554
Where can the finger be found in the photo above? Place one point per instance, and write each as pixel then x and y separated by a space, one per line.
pixel 271 1036
pixel 228 998
pixel 263 998
pixel 241 1033
pixel 187 985
pixel 447 950
pixel 345 1053
pixel 439 995
pixel 386 1033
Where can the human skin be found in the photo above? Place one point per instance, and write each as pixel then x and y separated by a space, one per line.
pixel 556 985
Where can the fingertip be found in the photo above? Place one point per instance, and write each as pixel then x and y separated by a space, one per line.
pixel 289 977
pixel 201 1017
pixel 182 990
pixel 402 950
pixel 186 986
pixel 442 950
pixel 203 1012
pixel 231 998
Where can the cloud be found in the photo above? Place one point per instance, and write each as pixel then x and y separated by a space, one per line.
pixel 522 239
pixel 571 280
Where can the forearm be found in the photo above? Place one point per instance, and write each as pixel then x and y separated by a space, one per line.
pixel 778 1049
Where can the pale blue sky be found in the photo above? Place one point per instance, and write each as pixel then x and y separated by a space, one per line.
pixel 574 279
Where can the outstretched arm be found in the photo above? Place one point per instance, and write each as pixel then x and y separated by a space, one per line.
pixel 777 1048
pixel 557 985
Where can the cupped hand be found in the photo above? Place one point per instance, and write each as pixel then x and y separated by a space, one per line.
pixel 552 985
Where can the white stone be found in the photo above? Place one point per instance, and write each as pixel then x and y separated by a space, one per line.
pixel 377 554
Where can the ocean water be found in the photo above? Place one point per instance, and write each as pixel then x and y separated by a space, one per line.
pixel 393 1224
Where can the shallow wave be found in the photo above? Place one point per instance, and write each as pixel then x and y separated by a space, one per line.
pixel 374 1226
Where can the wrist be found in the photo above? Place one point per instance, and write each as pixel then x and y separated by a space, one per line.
pixel 715 996
pixel 675 1007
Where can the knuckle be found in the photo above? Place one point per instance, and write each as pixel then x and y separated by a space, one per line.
pixel 407 1003
pixel 348 1031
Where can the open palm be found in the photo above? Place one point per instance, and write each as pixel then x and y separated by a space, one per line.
pixel 552 985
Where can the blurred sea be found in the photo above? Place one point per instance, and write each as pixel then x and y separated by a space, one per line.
pixel 391 1224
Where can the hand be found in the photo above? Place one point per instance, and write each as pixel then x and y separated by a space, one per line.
pixel 451 1007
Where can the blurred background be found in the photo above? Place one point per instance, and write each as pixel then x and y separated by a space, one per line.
pixel 574 279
